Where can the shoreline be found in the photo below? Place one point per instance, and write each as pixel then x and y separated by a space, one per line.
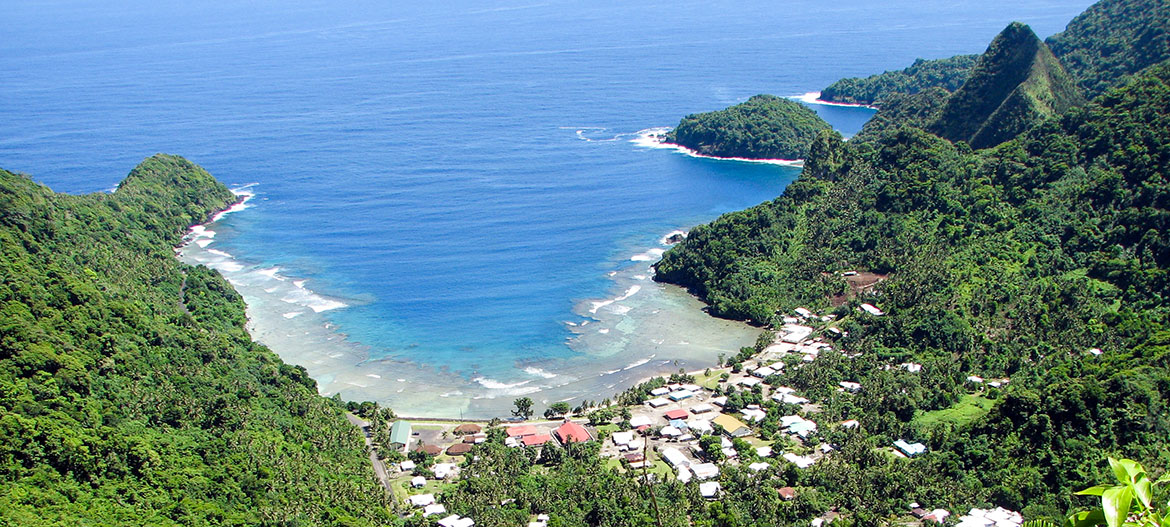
pixel 653 138
pixel 814 97
pixel 640 330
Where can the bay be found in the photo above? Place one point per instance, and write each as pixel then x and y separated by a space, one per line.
pixel 450 193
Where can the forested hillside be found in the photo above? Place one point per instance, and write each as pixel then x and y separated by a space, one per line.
pixel 1011 261
pixel 947 74
pixel 1112 40
pixel 764 127
pixel 130 392
pixel 1015 83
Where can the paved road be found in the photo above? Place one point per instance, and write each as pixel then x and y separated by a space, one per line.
pixel 379 467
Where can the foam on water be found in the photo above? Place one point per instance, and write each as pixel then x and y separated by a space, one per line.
pixel 651 255
pixel 596 305
pixel 815 98
pixel 532 370
pixel 656 138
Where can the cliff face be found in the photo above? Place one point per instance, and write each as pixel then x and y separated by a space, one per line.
pixel 1016 82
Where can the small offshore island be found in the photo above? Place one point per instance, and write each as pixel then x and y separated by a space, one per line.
pixel 963 323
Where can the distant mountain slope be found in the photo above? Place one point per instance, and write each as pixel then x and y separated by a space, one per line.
pixel 1112 40
pixel 130 392
pixel 948 74
pixel 1015 82
pixel 764 127
pixel 1011 261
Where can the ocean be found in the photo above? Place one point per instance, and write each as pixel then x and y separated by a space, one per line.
pixel 453 204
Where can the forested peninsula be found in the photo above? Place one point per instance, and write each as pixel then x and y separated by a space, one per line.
pixel 764 127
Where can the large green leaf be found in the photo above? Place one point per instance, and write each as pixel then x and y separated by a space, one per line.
pixel 1093 491
pixel 1115 503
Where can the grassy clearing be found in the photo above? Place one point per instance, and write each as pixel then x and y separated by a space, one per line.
pixel 968 409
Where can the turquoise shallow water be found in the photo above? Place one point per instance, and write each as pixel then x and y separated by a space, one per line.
pixel 444 192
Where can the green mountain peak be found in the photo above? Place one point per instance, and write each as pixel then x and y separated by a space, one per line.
pixel 1016 82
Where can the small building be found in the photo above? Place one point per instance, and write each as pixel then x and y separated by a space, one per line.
pixel 754 414
pixel 764 372
pixel 659 392
pixel 535 440
pixel 418 482
pixel 681 395
pixel 733 426
pixel 799 461
pixel 975 379
pixel 445 470
pixel 700 426
pixel 675 414
pixel 748 381
pixel 622 438
pixel 421 500
pixel 641 422
pixel 434 509
pixel 702 408
pixel 719 401
pixel 910 449
pixel 850 386
pixel 432 450
pixel 804 313
pixel 705 470
pixel 758 466
pixel 406 465
pixel 459 449
pixel 912 367
pixel 939 516
pixel 400 434
pixel 850 423
pixel 764 451
pixel 657 403
pixel 709 490
pixel 674 458
pixel 571 432
pixel 787 493
pixel 869 308
pixel 468 428
pixel 670 432
pixel 522 431
pixel 636 460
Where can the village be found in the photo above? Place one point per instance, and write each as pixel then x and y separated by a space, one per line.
pixel 683 430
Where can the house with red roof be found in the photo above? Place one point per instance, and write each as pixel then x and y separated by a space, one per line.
pixel 536 439
pixel 675 414
pixel 571 432
pixel 521 431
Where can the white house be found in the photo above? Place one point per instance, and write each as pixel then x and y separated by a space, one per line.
pixel 421 500
pixel 910 449
pixel 869 308
pixel 709 489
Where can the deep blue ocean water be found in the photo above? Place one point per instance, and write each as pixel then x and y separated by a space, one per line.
pixel 459 175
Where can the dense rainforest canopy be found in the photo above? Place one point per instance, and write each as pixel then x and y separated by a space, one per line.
pixel 1010 261
pixel 130 392
pixel 947 74
pixel 764 127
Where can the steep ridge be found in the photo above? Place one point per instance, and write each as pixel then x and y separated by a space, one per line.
pixel 1112 40
pixel 1016 82
pixel 130 392
pixel 946 74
